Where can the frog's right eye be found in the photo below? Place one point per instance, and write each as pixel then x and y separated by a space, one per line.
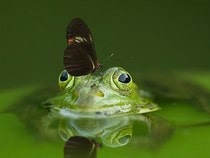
pixel 65 80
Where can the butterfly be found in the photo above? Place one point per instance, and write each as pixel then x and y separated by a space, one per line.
pixel 80 55
pixel 80 147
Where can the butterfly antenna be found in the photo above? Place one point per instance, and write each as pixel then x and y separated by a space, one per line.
pixel 107 59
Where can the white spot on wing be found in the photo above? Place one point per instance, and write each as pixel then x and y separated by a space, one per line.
pixel 91 40
pixel 79 39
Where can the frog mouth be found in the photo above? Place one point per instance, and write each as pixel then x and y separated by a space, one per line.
pixel 110 111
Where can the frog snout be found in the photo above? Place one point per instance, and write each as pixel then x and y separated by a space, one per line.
pixel 90 98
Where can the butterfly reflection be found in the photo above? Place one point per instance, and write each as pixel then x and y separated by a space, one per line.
pixel 80 147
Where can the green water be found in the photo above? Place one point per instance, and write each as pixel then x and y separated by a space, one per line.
pixel 192 141
pixel 145 37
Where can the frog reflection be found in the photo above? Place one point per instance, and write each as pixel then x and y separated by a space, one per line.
pixel 99 106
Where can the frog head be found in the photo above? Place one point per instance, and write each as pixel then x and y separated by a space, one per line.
pixel 99 105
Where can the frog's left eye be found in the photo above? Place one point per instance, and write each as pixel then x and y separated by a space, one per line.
pixel 65 80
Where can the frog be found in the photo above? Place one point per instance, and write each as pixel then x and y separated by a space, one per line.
pixel 100 106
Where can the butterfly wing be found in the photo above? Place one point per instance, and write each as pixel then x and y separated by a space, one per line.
pixel 80 147
pixel 80 55
pixel 77 61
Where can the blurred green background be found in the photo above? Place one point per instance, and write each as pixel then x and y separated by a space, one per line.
pixel 144 35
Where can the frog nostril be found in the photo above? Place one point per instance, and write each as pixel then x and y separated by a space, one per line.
pixel 98 112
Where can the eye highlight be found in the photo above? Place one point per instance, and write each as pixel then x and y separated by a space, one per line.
pixel 65 80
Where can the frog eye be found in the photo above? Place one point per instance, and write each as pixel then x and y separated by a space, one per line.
pixel 65 80
pixel 121 80
pixel 124 78
pixel 64 76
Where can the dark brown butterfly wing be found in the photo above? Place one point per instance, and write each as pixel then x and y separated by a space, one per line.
pixel 80 147
pixel 77 61
pixel 80 55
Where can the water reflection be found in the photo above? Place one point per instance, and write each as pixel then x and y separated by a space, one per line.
pixel 80 147
pixel 113 132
